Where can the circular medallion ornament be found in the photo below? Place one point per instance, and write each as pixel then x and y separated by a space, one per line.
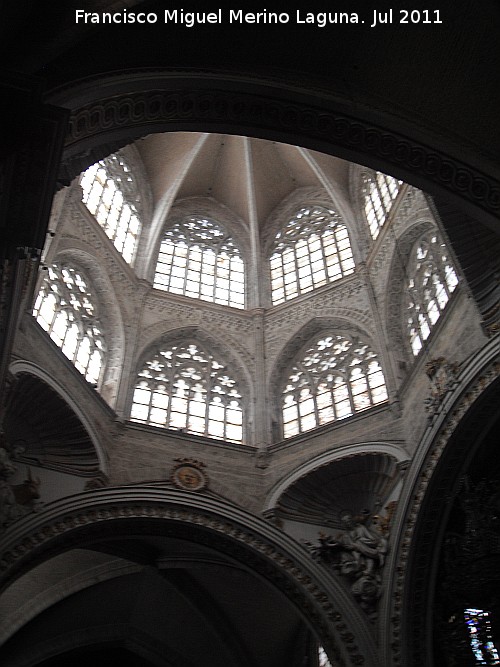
pixel 188 476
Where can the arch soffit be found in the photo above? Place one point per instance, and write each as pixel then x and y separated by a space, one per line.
pixel 394 450
pixel 301 339
pixel 18 367
pixel 142 102
pixel 265 550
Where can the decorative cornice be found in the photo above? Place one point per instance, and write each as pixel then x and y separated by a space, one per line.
pixel 242 536
pixel 117 120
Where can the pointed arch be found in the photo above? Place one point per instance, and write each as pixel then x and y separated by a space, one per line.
pixel 184 382
pixel 67 308
pixel 111 194
pixel 311 248
pixel 199 258
pixel 326 373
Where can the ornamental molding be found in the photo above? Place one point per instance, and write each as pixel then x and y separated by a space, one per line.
pixel 474 379
pixel 128 116
pixel 268 552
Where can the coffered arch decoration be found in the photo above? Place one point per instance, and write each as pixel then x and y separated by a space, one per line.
pixel 237 104
pixel 49 426
pixel 108 516
pixel 362 482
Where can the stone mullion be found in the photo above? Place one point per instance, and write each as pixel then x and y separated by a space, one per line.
pixel 261 435
pixel 323 254
pixel 386 359
pixel 170 392
pixel 208 381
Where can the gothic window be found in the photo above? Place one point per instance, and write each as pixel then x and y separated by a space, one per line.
pixel 110 194
pixel 335 377
pixel 432 279
pixel 183 386
pixel 380 192
pixel 65 307
pixel 199 259
pixel 311 250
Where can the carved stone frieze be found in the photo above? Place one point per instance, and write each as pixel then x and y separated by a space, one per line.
pixel 143 111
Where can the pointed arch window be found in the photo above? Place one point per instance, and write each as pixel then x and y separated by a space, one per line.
pixel 66 309
pixel 336 377
pixel 380 191
pixel 110 194
pixel 199 259
pixel 432 280
pixel 183 386
pixel 311 250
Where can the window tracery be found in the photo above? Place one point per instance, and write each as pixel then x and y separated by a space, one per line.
pixel 183 386
pixel 110 194
pixel 65 308
pixel 311 250
pixel 380 192
pixel 336 377
pixel 432 280
pixel 200 260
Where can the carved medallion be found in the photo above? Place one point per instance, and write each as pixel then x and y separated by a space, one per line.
pixel 188 475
